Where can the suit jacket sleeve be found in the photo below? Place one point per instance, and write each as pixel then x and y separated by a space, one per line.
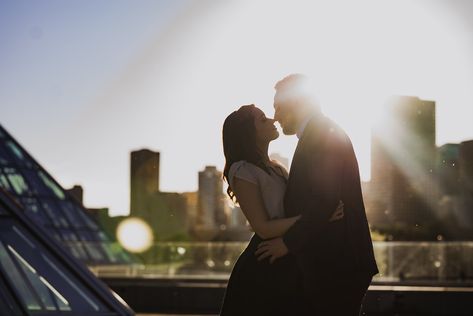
pixel 324 175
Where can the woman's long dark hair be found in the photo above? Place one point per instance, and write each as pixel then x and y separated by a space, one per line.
pixel 239 142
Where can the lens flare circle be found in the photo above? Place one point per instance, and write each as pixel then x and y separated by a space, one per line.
pixel 135 235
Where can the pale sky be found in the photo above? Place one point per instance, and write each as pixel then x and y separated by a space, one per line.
pixel 82 83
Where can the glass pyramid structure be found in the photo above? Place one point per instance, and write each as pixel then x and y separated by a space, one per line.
pixel 40 277
pixel 50 206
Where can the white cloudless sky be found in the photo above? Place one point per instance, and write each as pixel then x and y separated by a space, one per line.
pixel 82 83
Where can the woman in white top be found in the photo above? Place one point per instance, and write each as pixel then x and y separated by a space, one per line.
pixel 258 185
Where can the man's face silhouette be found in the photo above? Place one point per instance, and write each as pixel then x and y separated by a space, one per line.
pixel 285 113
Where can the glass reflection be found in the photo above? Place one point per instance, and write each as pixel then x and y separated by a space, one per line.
pixel 15 277
pixel 41 286
pixel 4 156
pixel 68 209
pixel 16 181
pixel 4 182
pixel 54 214
pixel 52 185
pixel 44 284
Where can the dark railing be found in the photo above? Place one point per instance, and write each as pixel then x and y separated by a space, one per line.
pixel 431 262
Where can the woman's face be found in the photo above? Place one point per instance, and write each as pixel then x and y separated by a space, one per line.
pixel 265 129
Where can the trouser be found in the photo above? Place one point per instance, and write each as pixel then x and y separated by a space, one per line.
pixel 342 297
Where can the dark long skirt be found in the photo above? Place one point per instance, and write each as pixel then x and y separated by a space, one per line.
pixel 260 288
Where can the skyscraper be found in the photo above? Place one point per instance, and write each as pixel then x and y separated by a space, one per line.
pixel 165 212
pixel 144 176
pixel 448 168
pixel 211 210
pixel 402 162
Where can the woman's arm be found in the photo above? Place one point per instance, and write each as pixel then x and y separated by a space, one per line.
pixel 251 203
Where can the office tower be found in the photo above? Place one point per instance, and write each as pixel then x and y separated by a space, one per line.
pixel 144 177
pixel 49 205
pixel 165 212
pixel 448 169
pixel 402 162
pixel 211 210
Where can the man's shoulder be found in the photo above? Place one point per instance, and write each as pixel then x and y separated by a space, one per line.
pixel 326 131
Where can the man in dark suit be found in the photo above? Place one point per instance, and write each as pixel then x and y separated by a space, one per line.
pixel 335 258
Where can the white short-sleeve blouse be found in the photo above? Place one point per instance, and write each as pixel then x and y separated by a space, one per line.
pixel 272 185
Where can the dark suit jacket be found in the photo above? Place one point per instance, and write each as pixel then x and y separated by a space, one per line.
pixel 324 170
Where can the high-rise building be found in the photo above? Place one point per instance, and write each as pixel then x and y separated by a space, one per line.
pixel 402 162
pixel 165 212
pixel 211 209
pixel 448 173
pixel 144 176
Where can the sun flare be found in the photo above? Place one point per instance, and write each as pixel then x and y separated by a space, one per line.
pixel 135 235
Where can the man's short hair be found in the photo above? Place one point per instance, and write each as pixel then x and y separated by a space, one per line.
pixel 297 86
pixel 292 82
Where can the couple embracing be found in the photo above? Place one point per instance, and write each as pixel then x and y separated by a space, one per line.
pixel 311 253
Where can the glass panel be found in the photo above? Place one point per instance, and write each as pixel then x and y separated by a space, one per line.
pixel 5 158
pixel 66 291
pixel 36 184
pixel 101 236
pixel 108 249
pixel 54 214
pixel 68 235
pixel 71 213
pixel 85 235
pixel 90 223
pixel 93 235
pixel 91 302
pixel 94 251
pixel 18 154
pixel 46 292
pixel 52 231
pixel 81 250
pixel 4 182
pixel 77 250
pixel 34 210
pixel 49 182
pixel 16 180
pixel 16 279
pixel 9 305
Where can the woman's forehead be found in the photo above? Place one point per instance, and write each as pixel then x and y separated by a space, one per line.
pixel 257 112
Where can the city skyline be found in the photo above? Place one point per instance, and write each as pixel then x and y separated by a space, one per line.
pixel 163 75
